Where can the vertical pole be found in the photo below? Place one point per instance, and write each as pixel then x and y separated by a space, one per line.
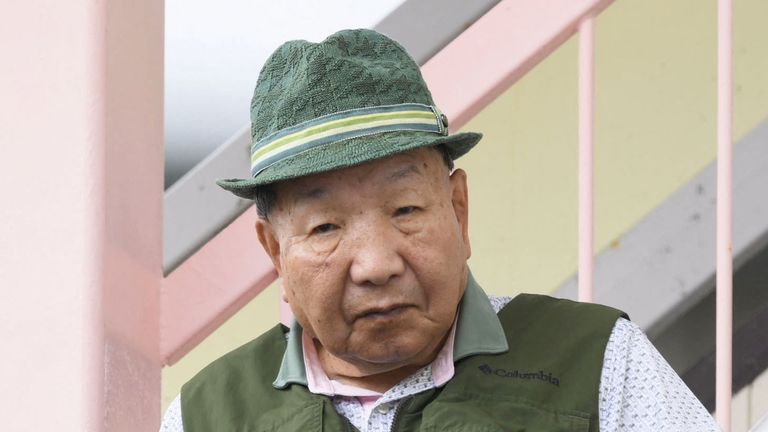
pixel 81 177
pixel 724 213
pixel 51 133
pixel 586 124
pixel 133 198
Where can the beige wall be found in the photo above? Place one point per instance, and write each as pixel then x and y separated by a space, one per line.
pixel 750 404
pixel 655 129
pixel 259 315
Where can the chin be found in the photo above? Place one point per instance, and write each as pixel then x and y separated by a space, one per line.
pixel 395 342
pixel 394 352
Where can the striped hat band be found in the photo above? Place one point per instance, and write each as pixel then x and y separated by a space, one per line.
pixel 345 125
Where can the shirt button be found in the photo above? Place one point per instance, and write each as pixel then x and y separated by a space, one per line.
pixel 383 408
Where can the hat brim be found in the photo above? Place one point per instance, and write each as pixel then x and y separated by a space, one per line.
pixel 347 153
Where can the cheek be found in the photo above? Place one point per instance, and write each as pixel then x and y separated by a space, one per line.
pixel 302 260
pixel 437 255
pixel 438 237
pixel 314 285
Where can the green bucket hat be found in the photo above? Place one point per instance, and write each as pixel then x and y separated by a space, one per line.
pixel 355 97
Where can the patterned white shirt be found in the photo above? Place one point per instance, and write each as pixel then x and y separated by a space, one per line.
pixel 638 391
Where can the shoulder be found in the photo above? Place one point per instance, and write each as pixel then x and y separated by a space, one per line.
pixel 214 395
pixel 640 391
pixel 555 314
pixel 499 302
pixel 557 311
pixel 240 364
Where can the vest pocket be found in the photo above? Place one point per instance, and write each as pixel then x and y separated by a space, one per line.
pixel 482 413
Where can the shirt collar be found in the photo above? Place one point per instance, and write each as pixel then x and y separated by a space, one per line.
pixel 478 331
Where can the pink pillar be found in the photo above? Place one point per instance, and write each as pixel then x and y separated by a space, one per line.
pixel 724 214
pixel 81 129
pixel 586 124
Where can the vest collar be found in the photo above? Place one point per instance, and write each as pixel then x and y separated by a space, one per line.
pixel 292 368
pixel 478 331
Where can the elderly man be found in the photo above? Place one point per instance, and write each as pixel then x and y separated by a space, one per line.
pixel 365 220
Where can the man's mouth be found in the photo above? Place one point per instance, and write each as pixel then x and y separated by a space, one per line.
pixel 383 313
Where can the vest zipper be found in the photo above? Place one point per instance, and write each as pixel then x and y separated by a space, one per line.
pixel 395 420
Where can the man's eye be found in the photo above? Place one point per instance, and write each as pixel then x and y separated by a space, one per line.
pixel 323 228
pixel 402 211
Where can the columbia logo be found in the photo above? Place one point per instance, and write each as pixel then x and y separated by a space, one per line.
pixel 504 373
pixel 485 369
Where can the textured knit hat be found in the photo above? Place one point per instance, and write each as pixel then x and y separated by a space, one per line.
pixel 355 97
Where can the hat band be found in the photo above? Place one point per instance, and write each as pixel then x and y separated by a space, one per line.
pixel 344 125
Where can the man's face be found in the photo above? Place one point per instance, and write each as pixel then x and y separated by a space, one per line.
pixel 373 257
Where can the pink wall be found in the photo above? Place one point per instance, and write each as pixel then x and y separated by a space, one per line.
pixel 80 265
pixel 211 286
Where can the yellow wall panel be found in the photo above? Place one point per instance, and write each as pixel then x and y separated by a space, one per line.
pixel 655 129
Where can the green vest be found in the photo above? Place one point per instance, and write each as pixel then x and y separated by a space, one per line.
pixel 547 381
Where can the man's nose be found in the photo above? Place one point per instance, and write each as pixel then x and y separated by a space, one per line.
pixel 376 258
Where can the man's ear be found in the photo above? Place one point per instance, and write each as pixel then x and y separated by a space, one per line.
pixel 460 201
pixel 268 239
